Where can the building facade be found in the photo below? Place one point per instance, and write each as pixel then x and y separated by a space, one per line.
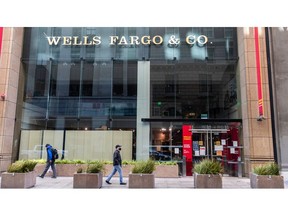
pixel 170 93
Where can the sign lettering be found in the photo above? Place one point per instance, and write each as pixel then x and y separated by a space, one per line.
pixel 134 40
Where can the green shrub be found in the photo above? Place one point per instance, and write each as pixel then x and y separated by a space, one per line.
pixel 95 167
pixel 144 167
pixel 108 162
pixel 128 162
pixel 22 166
pixel 208 166
pixel 40 161
pixel 169 163
pixel 66 161
pixel 79 170
pixel 267 169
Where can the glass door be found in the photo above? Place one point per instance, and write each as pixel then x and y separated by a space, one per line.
pixel 218 144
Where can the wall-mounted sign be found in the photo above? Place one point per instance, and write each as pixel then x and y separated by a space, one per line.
pixel 115 40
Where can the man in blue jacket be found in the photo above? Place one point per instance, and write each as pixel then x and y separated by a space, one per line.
pixel 50 162
pixel 117 166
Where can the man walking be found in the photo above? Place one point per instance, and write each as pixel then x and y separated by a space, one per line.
pixel 50 162
pixel 117 166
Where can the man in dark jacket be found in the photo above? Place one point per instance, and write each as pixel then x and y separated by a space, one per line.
pixel 50 162
pixel 117 166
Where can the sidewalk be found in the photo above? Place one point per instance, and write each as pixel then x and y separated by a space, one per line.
pixel 181 182
pixel 163 183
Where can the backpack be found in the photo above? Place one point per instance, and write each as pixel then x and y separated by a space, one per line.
pixel 55 154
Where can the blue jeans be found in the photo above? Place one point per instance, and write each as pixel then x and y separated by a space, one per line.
pixel 118 169
pixel 48 164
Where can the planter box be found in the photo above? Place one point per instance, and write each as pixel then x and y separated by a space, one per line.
pixel 166 171
pixel 64 170
pixel 87 180
pixel 266 181
pixel 68 170
pixel 161 171
pixel 39 168
pixel 207 181
pixel 18 180
pixel 141 181
pixel 126 169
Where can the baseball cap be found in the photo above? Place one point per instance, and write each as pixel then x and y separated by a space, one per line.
pixel 47 145
pixel 117 146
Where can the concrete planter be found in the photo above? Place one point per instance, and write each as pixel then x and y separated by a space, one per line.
pixel 126 169
pixel 207 181
pixel 68 170
pixel 39 169
pixel 87 180
pixel 166 171
pixel 18 180
pixel 266 181
pixel 64 170
pixel 161 171
pixel 141 180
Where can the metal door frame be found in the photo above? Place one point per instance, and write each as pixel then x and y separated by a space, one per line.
pixel 209 131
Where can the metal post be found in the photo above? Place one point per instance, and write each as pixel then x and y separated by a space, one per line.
pixel 239 167
pixel 184 166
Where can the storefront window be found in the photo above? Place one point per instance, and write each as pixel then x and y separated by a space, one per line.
pixel 86 78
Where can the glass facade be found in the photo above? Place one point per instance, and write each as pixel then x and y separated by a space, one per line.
pixel 87 78
pixel 77 87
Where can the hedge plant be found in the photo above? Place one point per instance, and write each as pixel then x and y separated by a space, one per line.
pixel 208 166
pixel 22 166
pixel 124 162
pixel 95 167
pixel 267 169
pixel 146 167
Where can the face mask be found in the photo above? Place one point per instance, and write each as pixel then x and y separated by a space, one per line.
pixel 119 149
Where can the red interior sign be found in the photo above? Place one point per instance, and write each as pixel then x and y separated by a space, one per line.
pixel 187 141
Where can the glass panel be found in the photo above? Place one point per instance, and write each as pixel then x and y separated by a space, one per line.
pixel 161 142
pixel 193 90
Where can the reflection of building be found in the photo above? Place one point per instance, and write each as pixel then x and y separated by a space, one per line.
pixel 73 93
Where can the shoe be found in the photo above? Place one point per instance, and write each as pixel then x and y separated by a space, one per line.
pixel 108 182
pixel 40 176
pixel 123 183
pixel 53 177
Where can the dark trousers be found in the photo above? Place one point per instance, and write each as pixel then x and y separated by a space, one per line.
pixel 48 164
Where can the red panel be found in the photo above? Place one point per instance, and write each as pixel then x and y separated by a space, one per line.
pixel 187 141
pixel 259 75
pixel 187 147
pixel 1 33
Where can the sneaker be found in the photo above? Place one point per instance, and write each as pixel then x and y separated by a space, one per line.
pixel 40 176
pixel 123 183
pixel 53 177
pixel 108 182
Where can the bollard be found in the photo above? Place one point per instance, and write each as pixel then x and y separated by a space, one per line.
pixel 239 167
pixel 184 166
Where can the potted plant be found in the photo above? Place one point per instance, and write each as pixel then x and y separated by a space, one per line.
pixel 207 174
pixel 20 174
pixel 142 175
pixel 266 176
pixel 91 177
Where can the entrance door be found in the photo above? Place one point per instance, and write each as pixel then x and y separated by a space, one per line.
pixel 220 143
pixel 208 143
pixel 217 144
